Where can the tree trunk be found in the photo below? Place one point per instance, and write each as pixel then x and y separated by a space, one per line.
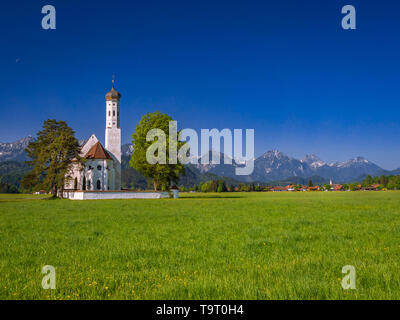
pixel 62 192
pixel 155 185
pixel 55 190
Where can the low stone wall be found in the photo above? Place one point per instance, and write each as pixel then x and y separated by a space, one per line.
pixel 107 195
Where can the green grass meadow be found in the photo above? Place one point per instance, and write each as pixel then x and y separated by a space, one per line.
pixel 202 246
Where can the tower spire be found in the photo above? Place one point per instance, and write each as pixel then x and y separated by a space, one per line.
pixel 113 94
pixel 113 135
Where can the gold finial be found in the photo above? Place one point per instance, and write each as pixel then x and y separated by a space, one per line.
pixel 113 80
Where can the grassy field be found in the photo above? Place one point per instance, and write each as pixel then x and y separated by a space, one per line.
pixel 203 246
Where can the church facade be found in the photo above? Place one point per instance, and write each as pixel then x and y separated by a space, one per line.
pixel 102 168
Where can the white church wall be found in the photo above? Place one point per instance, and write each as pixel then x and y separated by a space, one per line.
pixel 109 195
pixel 74 173
pixel 98 170
pixel 88 144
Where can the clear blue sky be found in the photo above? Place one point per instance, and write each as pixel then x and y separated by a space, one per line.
pixel 285 68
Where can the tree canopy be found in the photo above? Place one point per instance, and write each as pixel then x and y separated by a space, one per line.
pixel 161 173
pixel 390 182
pixel 52 154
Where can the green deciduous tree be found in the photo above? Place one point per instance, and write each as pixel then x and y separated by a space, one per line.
pixel 327 187
pixel 353 186
pixel 52 154
pixel 162 174
pixel 7 188
pixel 222 187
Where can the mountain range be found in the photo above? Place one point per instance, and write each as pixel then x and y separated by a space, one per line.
pixel 15 151
pixel 271 166
pixel 274 165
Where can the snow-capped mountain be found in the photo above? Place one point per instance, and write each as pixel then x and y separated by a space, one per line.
pixel 313 161
pixel 127 149
pixel 349 170
pixel 360 161
pixel 222 169
pixel 275 165
pixel 15 150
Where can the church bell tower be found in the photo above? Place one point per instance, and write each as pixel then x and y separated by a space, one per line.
pixel 113 135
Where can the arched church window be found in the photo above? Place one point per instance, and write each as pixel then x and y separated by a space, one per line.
pixel 99 167
pixel 84 183
pixel 98 185
pixel 114 113
pixel 75 183
pixel 118 113
pixel 109 113
pixel 88 185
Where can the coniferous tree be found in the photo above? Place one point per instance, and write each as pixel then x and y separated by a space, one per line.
pixel 368 181
pixel 52 154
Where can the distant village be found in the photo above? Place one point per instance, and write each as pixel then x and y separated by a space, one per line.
pixel 333 187
pixel 221 186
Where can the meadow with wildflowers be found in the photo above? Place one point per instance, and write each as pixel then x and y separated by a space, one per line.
pixel 202 246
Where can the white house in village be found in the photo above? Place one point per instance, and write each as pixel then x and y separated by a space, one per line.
pixel 100 176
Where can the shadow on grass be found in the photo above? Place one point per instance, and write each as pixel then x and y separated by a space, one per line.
pixel 51 198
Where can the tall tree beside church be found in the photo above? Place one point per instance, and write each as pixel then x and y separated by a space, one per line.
pixel 52 154
pixel 161 174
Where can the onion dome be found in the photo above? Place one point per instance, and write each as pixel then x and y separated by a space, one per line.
pixel 113 94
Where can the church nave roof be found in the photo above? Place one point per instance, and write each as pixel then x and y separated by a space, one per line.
pixel 97 152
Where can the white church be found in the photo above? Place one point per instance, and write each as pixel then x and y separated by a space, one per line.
pixel 100 176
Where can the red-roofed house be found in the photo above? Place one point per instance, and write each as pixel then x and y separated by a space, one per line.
pixel 290 187
pixel 337 187
pixel 372 187
pixel 278 189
